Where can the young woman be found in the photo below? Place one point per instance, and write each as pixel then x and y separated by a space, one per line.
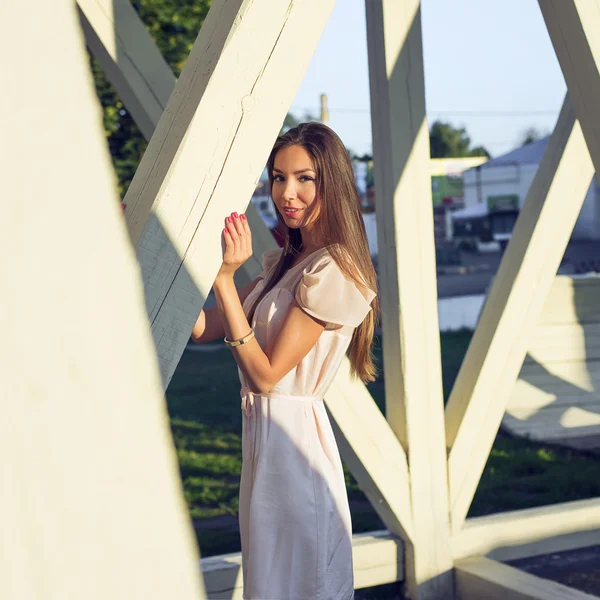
pixel 314 300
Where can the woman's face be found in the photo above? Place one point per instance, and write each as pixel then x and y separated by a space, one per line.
pixel 295 187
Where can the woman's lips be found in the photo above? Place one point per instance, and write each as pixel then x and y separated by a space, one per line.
pixel 291 212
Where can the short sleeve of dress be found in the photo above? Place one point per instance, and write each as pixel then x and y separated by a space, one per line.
pixel 326 294
pixel 269 260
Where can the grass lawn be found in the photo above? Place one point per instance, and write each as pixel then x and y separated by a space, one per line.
pixel 204 406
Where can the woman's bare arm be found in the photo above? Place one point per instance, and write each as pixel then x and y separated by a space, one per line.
pixel 209 326
pixel 264 368
pixel 299 331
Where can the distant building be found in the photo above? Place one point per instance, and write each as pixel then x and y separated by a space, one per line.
pixel 447 190
pixel 447 185
pixel 495 191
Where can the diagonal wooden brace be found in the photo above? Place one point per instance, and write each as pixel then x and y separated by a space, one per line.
pixel 499 345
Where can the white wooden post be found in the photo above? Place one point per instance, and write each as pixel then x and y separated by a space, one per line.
pixel 91 503
pixel 134 65
pixel 510 314
pixel 412 367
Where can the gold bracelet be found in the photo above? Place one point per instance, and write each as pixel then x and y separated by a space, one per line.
pixel 244 340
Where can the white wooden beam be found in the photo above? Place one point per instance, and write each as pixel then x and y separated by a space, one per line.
pixel 137 70
pixel 530 532
pixel 411 345
pixel 209 149
pixel 479 577
pixel 371 451
pixel 574 28
pixel 374 456
pixel 496 352
pixel 91 504
pixel 377 558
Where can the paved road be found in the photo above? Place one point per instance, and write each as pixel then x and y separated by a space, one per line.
pixel 579 569
pixel 580 257
pixel 463 285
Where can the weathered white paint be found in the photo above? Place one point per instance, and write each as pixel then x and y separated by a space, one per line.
pixel 209 149
pixel 378 559
pixel 499 345
pixel 91 504
pixel 478 578
pixel 134 65
pixel 407 272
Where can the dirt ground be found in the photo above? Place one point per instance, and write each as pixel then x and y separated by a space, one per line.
pixel 579 569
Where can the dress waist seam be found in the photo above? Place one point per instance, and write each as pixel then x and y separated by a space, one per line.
pixel 279 396
pixel 249 397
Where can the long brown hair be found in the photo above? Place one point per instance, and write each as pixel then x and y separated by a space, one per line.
pixel 339 227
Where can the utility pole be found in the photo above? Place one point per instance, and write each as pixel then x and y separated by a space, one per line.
pixel 324 110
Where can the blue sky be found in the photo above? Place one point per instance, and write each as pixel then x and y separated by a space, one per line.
pixel 481 56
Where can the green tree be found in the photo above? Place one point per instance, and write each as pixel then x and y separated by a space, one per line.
pixel 447 141
pixel 530 135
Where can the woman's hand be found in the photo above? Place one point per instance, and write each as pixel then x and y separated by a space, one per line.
pixel 237 244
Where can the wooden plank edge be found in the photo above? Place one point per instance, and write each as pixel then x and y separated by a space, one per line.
pixel 531 531
pixel 480 577
pixel 378 559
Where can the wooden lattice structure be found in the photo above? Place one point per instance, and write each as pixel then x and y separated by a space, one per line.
pixel 76 291
pixel 557 395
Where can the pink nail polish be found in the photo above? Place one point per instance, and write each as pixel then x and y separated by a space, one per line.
pixel 243 217
pixel 229 219
pixel 226 230
pixel 235 215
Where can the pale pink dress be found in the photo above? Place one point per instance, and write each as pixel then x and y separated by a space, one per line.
pixel 294 518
